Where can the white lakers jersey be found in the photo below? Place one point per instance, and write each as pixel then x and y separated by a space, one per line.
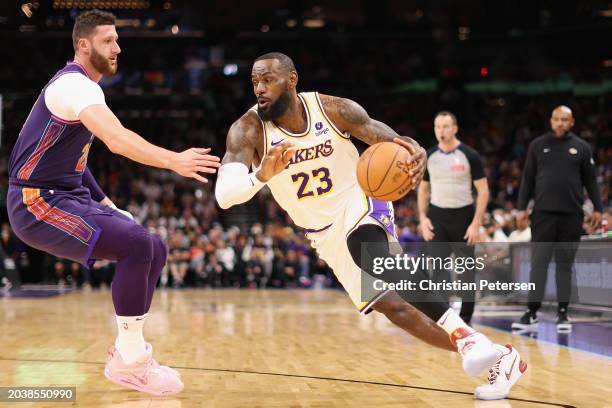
pixel 321 178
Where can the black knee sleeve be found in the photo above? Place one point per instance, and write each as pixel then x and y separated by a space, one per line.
pixel 429 302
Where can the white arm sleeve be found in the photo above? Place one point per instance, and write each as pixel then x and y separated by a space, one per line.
pixel 235 185
pixel 69 94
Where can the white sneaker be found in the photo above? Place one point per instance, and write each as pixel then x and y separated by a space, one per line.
pixel 478 352
pixel 503 375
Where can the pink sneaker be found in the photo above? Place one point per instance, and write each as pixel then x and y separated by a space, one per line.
pixel 170 370
pixel 144 375
pixel 163 367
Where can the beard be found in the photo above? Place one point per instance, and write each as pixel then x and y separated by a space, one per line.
pixel 102 64
pixel 277 108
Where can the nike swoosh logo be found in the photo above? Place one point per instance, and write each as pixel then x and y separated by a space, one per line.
pixel 511 368
pixel 142 381
pixel 275 143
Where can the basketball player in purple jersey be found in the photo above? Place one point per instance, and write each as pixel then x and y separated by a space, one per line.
pixel 55 205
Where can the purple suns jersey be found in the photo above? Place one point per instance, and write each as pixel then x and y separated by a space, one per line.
pixel 50 152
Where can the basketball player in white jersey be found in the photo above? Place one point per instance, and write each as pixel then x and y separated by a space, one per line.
pixel 299 146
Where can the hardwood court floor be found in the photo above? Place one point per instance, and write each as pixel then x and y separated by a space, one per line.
pixel 272 349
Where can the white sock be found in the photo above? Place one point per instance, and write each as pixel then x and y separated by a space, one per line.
pixel 454 325
pixel 130 341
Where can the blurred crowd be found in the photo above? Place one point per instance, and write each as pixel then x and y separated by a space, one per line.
pixel 256 245
pixel 211 248
pixel 180 93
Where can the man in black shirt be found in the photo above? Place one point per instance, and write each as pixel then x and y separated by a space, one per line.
pixel 559 166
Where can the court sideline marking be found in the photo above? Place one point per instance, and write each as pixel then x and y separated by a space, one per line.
pixel 223 370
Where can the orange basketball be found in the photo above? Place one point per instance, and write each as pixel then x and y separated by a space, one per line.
pixel 382 172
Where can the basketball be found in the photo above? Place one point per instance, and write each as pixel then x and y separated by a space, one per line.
pixel 382 172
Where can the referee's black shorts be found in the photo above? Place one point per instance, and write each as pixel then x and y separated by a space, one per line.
pixel 450 225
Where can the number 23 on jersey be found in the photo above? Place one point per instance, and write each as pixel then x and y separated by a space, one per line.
pixel 305 190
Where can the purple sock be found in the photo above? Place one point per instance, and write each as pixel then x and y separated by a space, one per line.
pixel 160 253
pixel 131 246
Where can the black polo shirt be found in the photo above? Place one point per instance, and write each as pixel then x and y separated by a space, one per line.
pixel 556 172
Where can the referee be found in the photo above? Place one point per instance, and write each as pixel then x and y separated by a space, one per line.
pixel 446 203
pixel 559 166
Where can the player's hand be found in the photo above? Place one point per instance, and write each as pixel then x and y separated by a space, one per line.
pixel 109 203
pixel 276 160
pixel 522 216
pixel 472 234
pixel 426 229
pixel 417 162
pixel 194 161
pixel 595 220
pixel 126 213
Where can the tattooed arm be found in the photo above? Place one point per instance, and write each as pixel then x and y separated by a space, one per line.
pixel 349 116
pixel 243 139
pixel 235 185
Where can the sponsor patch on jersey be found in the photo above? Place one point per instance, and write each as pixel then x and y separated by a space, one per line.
pixel 457 167
pixel 319 129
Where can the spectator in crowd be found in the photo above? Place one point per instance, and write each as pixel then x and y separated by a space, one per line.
pixel 215 274
pixel 522 233
pixel 226 255
pixel 67 272
pixel 178 258
pixel 101 274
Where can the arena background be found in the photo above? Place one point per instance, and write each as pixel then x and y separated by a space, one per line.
pixel 184 77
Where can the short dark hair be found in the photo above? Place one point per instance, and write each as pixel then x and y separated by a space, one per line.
pixel 284 60
pixel 447 113
pixel 86 22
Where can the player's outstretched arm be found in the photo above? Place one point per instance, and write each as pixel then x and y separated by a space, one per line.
pixel 103 123
pixel 351 117
pixel 235 185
